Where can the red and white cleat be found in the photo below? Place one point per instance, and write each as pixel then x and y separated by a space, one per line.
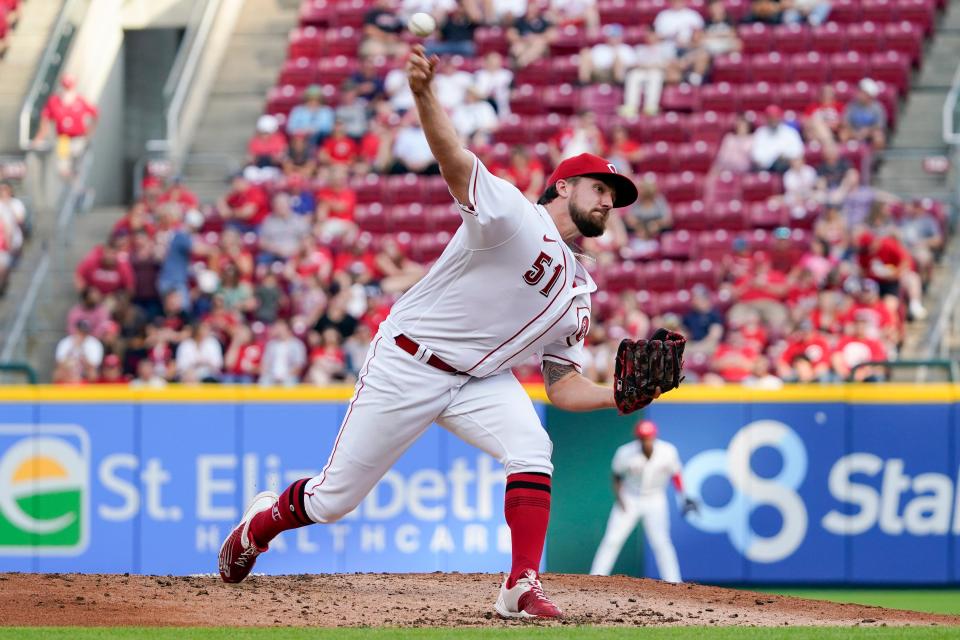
pixel 238 552
pixel 526 599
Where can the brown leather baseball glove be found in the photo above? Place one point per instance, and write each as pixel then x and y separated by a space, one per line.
pixel 643 366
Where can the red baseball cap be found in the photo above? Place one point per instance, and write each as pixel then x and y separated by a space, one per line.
pixel 591 166
pixel 645 429
pixel 773 111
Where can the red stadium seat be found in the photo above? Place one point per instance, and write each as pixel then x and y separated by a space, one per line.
pixel 489 39
pixel 729 215
pixel 756 38
pixel 371 217
pixel 657 158
pixel 540 73
pixel 696 156
pixel 879 11
pixel 892 67
pixel 845 11
pixel 791 38
pixel 682 97
pixel 804 217
pixel 617 12
pixel 769 67
pixel 920 12
pixel 409 217
pixel 727 186
pixel 759 186
pixel 298 72
pixel 369 188
pixel 403 189
pixel 601 99
pixel 659 275
pixel 828 38
pixel 864 37
pixel 765 215
pixel 283 99
pixel 730 67
pixel 848 67
pixel 757 97
pixel 513 130
pixel 699 272
pixel 351 13
pixel 905 37
pixel 797 96
pixel 622 276
pixel 709 126
pixel 569 40
pixel 647 10
pixel 682 187
pixel 809 67
pixel 678 245
pixel 335 70
pixel 342 42
pixel 562 99
pixel 434 190
pixel 427 247
pixel 678 302
pixel 444 217
pixel 667 127
pixel 526 99
pixel 305 43
pixel 719 97
pixel 691 216
pixel 318 13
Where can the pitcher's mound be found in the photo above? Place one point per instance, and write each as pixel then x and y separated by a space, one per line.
pixel 428 600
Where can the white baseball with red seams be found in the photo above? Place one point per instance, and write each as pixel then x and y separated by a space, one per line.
pixel 506 287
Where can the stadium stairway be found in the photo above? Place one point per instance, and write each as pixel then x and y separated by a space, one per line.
pixel 27 42
pixel 254 54
pixel 918 136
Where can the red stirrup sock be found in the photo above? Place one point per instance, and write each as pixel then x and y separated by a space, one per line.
pixel 527 510
pixel 287 513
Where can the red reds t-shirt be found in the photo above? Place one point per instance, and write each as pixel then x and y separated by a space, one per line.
pixel 248 359
pixel 341 150
pixel 882 317
pixel 735 373
pixel 523 177
pixel 182 196
pixel 252 194
pixel 750 291
pixel 888 252
pixel 346 198
pixel 856 350
pixel 106 279
pixel 354 264
pixel 312 263
pixel 816 349
pixel 271 146
pixel 829 112
pixel 71 119
pixel 829 324
pixel 369 146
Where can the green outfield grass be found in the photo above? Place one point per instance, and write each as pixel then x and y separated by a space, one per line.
pixel 518 630
pixel 930 600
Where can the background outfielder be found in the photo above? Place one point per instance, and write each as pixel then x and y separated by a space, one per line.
pixel 641 470
pixel 507 287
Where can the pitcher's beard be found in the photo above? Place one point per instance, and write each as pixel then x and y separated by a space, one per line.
pixel 586 225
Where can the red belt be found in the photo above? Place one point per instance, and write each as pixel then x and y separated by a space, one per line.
pixel 413 349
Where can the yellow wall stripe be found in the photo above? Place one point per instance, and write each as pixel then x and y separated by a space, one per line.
pixel 856 393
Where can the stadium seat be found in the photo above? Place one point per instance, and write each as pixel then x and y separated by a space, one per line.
pixel 682 187
pixel 719 97
pixel 905 37
pixel 769 67
pixel 878 11
pixel 666 127
pixel 791 38
pixel 561 99
pixel 569 40
pixel 766 215
pixel 678 245
pixel 369 188
pixel 489 39
pixel 864 37
pixel 796 96
pixel 756 38
pixel 696 156
pixel 892 67
pixel 729 215
pixel 656 158
pixel 759 186
pixel 371 217
pixel 684 98
pixel 845 11
pixel 699 272
pixel 757 97
pixel 709 126
pixel 299 72
pixel 691 216
pixel 730 67
pixel 305 42
pixel 601 99
pixel 828 38
pixel 335 70
pixel 658 275
pixel 809 67
pixel 849 66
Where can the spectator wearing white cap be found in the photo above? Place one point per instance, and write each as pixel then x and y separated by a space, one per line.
pixel 268 146
pixel 864 118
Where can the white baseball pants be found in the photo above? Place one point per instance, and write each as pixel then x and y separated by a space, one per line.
pixel 397 397
pixel 652 510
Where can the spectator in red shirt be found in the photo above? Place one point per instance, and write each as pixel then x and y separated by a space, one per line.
pixel 137 218
pixel 733 359
pixel 862 346
pixel 180 195
pixel 526 173
pixel 73 120
pixel 245 206
pixel 336 204
pixel 339 148
pixel 328 361
pixel 866 300
pixel 397 272
pixel 884 259
pixel 581 135
pixel 268 147
pixel 806 357
pixel 762 289
pixel 104 269
pixel 111 371
pixel 358 260
pixel 243 357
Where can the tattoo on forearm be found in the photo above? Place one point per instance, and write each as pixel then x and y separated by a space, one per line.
pixel 553 372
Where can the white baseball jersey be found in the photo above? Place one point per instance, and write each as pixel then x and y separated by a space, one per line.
pixel 505 288
pixel 642 476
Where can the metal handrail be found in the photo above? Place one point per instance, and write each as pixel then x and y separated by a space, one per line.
pixel 951 366
pixel 48 58
pixel 21 367
pixel 950 135
pixel 189 69
pixel 189 36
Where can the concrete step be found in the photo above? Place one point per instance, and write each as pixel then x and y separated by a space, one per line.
pixel 17 68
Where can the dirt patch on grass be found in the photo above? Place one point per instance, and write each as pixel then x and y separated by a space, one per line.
pixel 427 600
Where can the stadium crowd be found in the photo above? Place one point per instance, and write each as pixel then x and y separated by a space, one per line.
pixel 768 247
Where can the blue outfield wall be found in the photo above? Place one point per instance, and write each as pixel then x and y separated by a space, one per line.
pixel 838 485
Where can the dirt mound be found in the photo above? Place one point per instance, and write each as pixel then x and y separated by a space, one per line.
pixel 428 600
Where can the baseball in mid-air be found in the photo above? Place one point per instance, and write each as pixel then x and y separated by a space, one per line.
pixel 421 24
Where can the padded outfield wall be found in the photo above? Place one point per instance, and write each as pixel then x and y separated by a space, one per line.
pixel 811 484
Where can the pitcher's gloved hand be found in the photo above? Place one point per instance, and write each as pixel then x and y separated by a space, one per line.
pixel 647 368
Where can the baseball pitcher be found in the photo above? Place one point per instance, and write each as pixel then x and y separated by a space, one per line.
pixel 641 470
pixel 508 286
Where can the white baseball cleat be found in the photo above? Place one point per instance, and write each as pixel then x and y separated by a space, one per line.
pixel 238 552
pixel 526 599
